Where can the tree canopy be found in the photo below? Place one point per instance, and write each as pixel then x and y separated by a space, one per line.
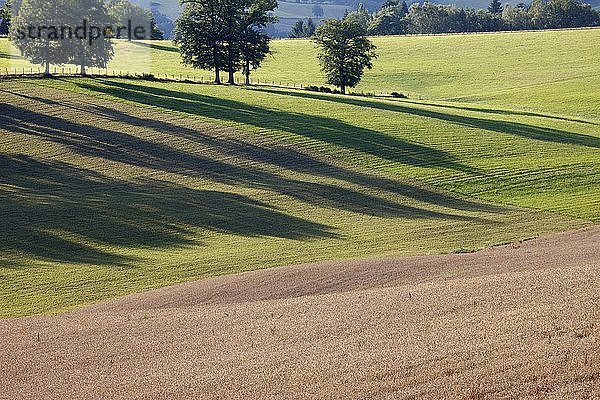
pixel 5 17
pixel 428 18
pixel 123 13
pixel 344 51
pixel 224 35
pixel 303 29
pixel 63 32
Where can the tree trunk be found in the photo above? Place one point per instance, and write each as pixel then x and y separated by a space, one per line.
pixel 247 73
pixel 343 88
pixel 231 79
pixel 47 72
pixel 82 68
pixel 217 76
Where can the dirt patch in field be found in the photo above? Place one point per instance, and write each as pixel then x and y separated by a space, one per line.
pixel 515 321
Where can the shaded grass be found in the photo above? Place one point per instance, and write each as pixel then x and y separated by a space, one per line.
pixel 552 71
pixel 102 198
pixel 534 161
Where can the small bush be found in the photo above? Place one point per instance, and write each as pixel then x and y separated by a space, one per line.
pixel 312 88
pixel 397 95
pixel 324 89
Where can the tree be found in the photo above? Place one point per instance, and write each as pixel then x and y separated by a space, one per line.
pixel 344 52
pixel 123 12
pixel 361 16
pixel 84 51
pixel 297 30
pixel 317 11
pixel 495 7
pixel 233 19
pixel 516 18
pixel 566 14
pixel 254 48
pixel 388 20
pixel 5 17
pixel 309 28
pixel 200 32
pixel 63 32
pixel 303 29
pixel 224 35
pixel 254 42
pixel 427 18
pixel 389 3
pixel 35 47
pixel 403 8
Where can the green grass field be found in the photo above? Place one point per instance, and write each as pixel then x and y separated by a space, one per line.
pixel 112 186
pixel 544 71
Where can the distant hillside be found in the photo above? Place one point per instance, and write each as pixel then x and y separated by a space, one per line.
pixel 287 12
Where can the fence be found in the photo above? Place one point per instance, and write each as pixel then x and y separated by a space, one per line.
pixel 59 72
pixel 71 72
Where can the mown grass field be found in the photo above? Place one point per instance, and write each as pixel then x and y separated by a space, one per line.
pixel 552 71
pixel 112 186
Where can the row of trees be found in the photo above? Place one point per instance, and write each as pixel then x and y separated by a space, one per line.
pixel 303 28
pixel 397 18
pixel 227 35
pixel 224 35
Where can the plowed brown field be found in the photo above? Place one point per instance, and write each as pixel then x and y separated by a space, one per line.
pixel 516 321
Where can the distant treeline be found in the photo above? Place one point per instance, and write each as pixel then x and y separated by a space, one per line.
pixel 396 18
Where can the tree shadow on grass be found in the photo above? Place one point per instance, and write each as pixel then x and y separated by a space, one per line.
pixel 58 212
pixel 324 129
pixel 156 46
pixel 8 56
pixel 507 127
pixel 132 150
pixel 53 211
pixel 287 158
pixel 504 112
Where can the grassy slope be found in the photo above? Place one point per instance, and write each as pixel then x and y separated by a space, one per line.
pixel 102 214
pixel 511 157
pixel 532 70
pixel 101 198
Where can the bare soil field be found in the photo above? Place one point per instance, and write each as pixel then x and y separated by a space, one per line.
pixel 515 321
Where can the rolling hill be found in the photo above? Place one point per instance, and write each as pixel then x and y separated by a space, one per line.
pixel 327 172
pixel 386 216
pixel 545 71
pixel 131 185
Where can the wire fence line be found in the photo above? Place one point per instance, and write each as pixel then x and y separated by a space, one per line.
pixel 70 72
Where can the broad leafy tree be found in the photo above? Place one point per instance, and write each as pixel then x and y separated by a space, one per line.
pixel 427 17
pixel 201 33
pixel 62 32
pixel 36 45
pixel 87 52
pixel 123 14
pixel 253 41
pixel 5 16
pixel 557 14
pixel 388 20
pixel 224 35
pixel 344 51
